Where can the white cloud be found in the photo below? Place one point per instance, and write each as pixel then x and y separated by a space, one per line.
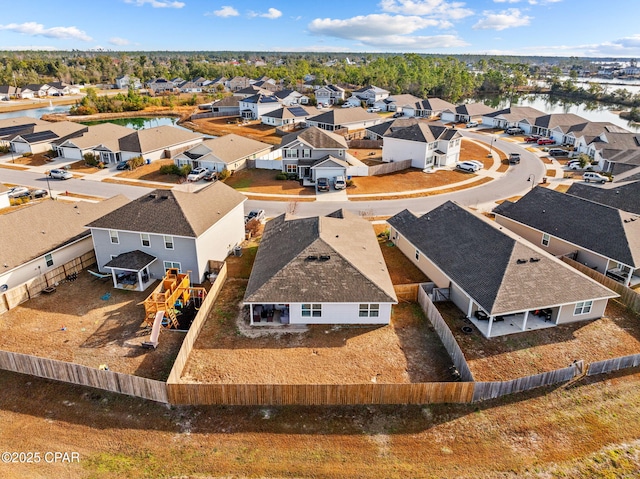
pixel 37 29
pixel 370 26
pixel 502 20
pixel 157 3
pixel 225 11
pixel 385 31
pixel 119 41
pixel 436 8
pixel 271 14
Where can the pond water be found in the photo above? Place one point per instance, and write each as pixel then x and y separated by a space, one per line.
pixel 592 111
pixel 36 112
pixel 140 123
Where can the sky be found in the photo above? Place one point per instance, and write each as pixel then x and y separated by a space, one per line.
pixel 583 28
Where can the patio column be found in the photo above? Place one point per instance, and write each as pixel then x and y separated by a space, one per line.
pixel 251 314
pixel 628 283
pixel 558 315
pixel 490 325
pixel 469 309
pixel 140 285
pixel 114 276
pixel 524 321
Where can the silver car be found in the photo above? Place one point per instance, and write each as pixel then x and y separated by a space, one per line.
pixel 60 174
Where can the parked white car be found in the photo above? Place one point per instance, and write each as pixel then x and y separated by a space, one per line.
pixel 197 174
pixel 468 166
pixel 593 176
pixel 472 124
pixel 339 183
pixel 479 164
pixel 373 109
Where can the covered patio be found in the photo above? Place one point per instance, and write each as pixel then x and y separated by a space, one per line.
pixel 131 270
pixel 513 323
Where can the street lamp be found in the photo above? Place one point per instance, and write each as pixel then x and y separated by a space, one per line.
pixel 493 138
pixel 48 186
pixel 533 183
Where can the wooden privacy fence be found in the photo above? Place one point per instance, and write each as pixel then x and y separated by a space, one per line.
pixel 628 297
pixel 27 290
pixel 444 333
pixel 386 168
pixel 496 389
pixel 198 322
pixel 614 364
pixel 365 144
pixel 84 376
pixel 212 114
pixel 407 292
pixel 318 394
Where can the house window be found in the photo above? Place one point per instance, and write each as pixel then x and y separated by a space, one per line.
pixel 306 153
pixel 545 239
pixel 369 310
pixel 168 242
pixel 417 255
pixel 114 237
pixel 311 310
pixel 291 153
pixel 291 168
pixel 583 307
pixel 172 264
pixel 145 239
pixel 48 259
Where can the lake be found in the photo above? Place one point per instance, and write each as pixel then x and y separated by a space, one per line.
pixel 36 112
pixel 140 123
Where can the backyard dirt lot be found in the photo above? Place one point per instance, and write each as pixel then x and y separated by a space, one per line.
pixel 76 324
pixel 264 182
pixel 225 125
pixel 533 352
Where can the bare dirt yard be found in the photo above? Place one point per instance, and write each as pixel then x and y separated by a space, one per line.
pixel 89 322
pixel 228 351
pixel 264 182
pixel 405 180
pixel 151 172
pixel 38 159
pixel 517 355
pixel 225 125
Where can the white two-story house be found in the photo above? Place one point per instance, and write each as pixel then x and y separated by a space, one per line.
pixel 426 144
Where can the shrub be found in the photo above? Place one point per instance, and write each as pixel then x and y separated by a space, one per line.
pixel 90 159
pixel 27 154
pixel 223 175
pixel 135 162
pixel 170 170
pixel 281 176
pixel 184 170
pixel 4 149
pixel 292 176
pixel 349 183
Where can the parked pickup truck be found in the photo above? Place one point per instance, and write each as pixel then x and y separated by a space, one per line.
pixel 514 158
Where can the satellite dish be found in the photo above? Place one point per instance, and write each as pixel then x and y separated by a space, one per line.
pixel 3 288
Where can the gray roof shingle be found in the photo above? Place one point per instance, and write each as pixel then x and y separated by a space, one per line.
pixel 329 259
pixel 624 197
pixel 493 265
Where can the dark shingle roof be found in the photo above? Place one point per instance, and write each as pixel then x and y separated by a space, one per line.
pixel 423 132
pixel 563 216
pixel 330 259
pixel 174 212
pixel 133 260
pixel 316 138
pixel 492 265
pixel 624 197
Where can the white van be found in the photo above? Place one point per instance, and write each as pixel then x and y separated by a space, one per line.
pixel 592 176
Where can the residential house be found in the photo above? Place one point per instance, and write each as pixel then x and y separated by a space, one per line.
pixel 8 92
pixel 42 138
pixel 369 94
pixel 61 89
pixel 251 90
pixel 329 94
pixel 10 127
pixel 253 107
pixel 319 270
pixel 396 103
pixel 191 87
pixel 156 143
pixel 289 115
pixel 486 269
pixel 165 229
pixel 466 113
pixel 426 144
pixel 45 235
pixel 348 119
pixel 624 197
pixel 269 85
pixel 429 108
pixel 101 140
pixel 126 81
pixel 288 97
pixel 377 132
pixel 228 152
pixel 38 89
pixel 599 236
pixel 513 116
pixel 228 106
pixel 238 83
pixel 159 86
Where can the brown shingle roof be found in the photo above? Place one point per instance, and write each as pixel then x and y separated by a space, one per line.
pixel 32 231
pixel 316 138
pixel 151 139
pixel 174 212
pixel 232 147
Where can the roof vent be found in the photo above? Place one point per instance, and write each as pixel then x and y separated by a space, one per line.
pixel 153 195
pixel 534 260
pixel 312 257
pixel 324 257
pixel 521 261
pixel 164 197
